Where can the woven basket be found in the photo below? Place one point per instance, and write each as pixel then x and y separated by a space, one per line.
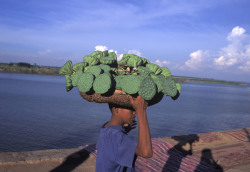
pixel 118 97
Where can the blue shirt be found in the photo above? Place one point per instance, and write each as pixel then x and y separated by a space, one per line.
pixel 115 150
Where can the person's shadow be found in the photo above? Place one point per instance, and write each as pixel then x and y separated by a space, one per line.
pixel 174 160
pixel 247 134
pixel 72 161
pixel 207 158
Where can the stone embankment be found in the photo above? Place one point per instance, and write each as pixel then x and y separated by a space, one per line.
pixel 226 150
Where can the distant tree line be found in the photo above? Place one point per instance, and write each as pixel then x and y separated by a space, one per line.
pixel 22 64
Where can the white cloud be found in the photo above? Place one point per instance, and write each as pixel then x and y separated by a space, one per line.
pixel 162 63
pixel 136 52
pixel 236 32
pixel 236 54
pixel 44 52
pixel 224 61
pixel 101 48
pixel 245 67
pixel 196 60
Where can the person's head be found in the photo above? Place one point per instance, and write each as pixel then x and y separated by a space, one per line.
pixel 124 114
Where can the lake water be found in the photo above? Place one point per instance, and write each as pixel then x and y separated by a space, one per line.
pixel 37 113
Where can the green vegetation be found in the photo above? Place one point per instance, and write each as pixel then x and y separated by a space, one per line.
pixel 169 86
pixel 23 64
pixel 69 85
pixel 108 60
pixel 155 68
pixel 134 61
pixel 130 84
pixel 76 77
pixel 165 71
pixel 79 66
pixel 85 82
pixel 101 73
pixel 144 70
pixel 158 83
pixel 91 60
pixel 178 86
pixel 95 70
pixel 33 69
pixel 185 79
pixel 102 83
pixel 105 68
pixel 124 60
pixel 67 68
pixel 118 81
pixel 147 88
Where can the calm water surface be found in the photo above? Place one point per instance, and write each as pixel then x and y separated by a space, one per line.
pixel 37 113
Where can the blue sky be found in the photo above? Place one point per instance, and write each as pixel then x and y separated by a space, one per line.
pixel 201 38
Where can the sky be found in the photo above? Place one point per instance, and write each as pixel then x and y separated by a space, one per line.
pixel 197 38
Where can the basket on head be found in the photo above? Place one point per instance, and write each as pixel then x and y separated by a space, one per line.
pixel 118 97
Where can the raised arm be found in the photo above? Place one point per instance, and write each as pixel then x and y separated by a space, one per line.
pixel 144 146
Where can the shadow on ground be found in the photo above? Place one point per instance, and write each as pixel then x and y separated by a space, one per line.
pixel 207 157
pixel 247 134
pixel 72 161
pixel 173 162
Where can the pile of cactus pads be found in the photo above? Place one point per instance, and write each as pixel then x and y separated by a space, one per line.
pixel 101 78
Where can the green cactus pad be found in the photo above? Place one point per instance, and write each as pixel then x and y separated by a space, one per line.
pixel 105 68
pixel 124 60
pixel 118 81
pixel 134 61
pixel 102 83
pixel 85 82
pixel 95 70
pixel 144 61
pixel 155 68
pixel 141 76
pixel 169 87
pixel 130 84
pixel 91 60
pixel 67 68
pixel 165 71
pixel 145 70
pixel 113 55
pixel 69 85
pixel 108 60
pixel 147 88
pixel 158 84
pixel 75 77
pixel 105 53
pixel 97 54
pixel 153 76
pixel 178 86
pixel 79 66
